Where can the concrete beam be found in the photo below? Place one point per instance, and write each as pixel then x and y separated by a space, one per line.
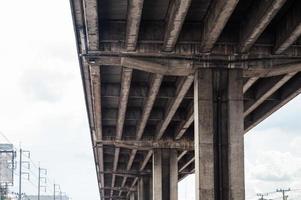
pixel 255 67
pixel 187 164
pixel 133 23
pixel 125 90
pixel 182 88
pixel 147 145
pixel 268 87
pixel 136 114
pixel 142 167
pixel 124 94
pixel 146 159
pixel 155 84
pixel 276 70
pixel 127 173
pixel 215 21
pixel 249 83
pixel 259 18
pixel 184 125
pixel 117 188
pixel 91 20
pixel 97 118
pixel 176 17
pixel 112 90
pixel 182 154
pixel 181 68
pixel 289 29
pixel 165 175
pixel 219 165
pixel 289 91
pixel 200 60
pixel 100 159
pixel 148 104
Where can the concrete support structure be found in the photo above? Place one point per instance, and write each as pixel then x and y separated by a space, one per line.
pixel 133 196
pixel 144 188
pixel 138 62
pixel 165 174
pixel 219 144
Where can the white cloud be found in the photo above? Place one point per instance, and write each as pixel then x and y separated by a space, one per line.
pixel 273 166
pixel 295 145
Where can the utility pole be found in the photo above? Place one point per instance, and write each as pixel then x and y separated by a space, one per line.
pixel 261 196
pixel 39 181
pixel 21 172
pixel 283 191
pixel 20 175
pixel 54 190
pixel 54 186
pixel 39 184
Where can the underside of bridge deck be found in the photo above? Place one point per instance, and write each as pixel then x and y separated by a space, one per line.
pixel 172 86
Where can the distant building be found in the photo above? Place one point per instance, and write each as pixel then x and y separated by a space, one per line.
pixel 47 197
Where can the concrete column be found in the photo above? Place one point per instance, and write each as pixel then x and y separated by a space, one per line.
pixel 219 144
pixel 165 174
pixel 150 188
pixel 133 196
pixel 144 188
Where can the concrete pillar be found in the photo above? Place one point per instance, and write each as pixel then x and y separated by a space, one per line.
pixel 144 188
pixel 165 174
pixel 133 196
pixel 150 188
pixel 219 144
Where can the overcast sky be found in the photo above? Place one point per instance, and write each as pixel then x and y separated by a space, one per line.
pixel 42 106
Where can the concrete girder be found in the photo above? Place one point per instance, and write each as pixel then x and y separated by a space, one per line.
pixel 215 21
pixel 182 88
pixel 148 145
pixel 147 108
pixel 286 93
pixel 259 18
pixel 112 90
pixel 175 19
pixel 125 90
pixel 133 23
pixel 249 83
pixel 91 20
pixel 289 29
pixel 96 104
pixel 176 67
pixel 269 86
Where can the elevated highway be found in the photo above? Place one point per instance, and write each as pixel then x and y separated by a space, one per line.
pixel 172 86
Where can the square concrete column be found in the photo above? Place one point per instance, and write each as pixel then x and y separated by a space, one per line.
pixel 219 134
pixel 144 188
pixel 165 174
pixel 133 196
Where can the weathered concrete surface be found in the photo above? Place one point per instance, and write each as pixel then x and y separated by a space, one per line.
pixel 219 145
pixel 138 60
pixel 165 175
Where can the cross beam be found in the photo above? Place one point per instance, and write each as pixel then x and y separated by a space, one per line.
pixel 147 145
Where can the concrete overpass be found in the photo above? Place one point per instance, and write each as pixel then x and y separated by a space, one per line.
pixel 172 86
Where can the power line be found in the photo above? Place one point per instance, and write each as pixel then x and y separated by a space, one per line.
pixel 283 191
pixel 25 169
pixel 261 195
